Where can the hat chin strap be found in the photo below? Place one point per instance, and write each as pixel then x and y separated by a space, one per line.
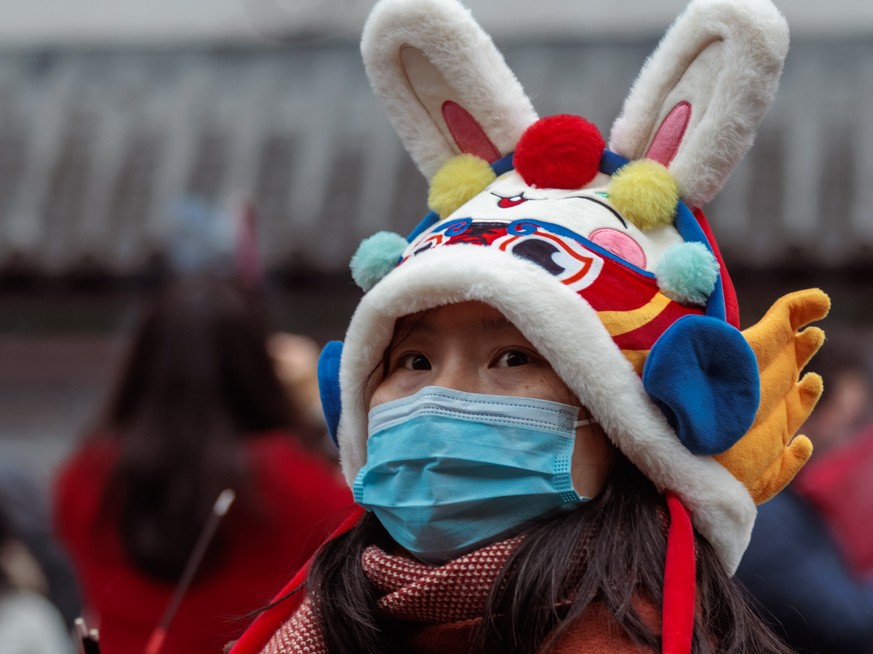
pixel 677 619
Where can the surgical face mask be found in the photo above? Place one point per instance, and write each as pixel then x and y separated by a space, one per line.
pixel 448 472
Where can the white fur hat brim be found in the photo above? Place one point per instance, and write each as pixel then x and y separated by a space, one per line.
pixel 568 333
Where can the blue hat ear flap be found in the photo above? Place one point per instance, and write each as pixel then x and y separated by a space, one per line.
pixel 704 376
pixel 329 387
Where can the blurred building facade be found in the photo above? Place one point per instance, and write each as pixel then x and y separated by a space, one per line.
pixel 111 157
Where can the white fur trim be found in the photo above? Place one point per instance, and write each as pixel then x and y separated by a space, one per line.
pixel 565 330
pixel 724 57
pixel 465 67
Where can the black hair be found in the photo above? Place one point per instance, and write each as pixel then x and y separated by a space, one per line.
pixel 198 380
pixel 610 550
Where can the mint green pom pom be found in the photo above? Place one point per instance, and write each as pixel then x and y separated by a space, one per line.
pixel 376 257
pixel 687 273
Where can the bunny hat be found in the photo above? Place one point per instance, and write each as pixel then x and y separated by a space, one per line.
pixel 599 254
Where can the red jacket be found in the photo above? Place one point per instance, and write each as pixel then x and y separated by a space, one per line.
pixel 302 499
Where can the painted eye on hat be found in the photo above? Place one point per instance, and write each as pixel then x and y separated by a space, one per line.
pixel 602 204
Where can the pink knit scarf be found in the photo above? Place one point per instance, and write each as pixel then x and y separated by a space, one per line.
pixel 410 590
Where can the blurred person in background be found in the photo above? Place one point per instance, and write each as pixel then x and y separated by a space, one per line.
pixel 810 560
pixel 26 505
pixel 295 358
pixel 198 409
pixel 29 622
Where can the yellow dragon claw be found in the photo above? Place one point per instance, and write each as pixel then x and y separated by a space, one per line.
pixel 769 455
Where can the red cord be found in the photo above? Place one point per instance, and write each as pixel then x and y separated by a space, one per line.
pixel 679 581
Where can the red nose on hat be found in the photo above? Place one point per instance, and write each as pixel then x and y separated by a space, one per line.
pixel 560 151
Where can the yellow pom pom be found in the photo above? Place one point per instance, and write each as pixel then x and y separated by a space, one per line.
pixel 460 179
pixel 645 193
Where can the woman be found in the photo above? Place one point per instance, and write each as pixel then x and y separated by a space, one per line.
pixel 543 401
pixel 198 409
pixel 557 558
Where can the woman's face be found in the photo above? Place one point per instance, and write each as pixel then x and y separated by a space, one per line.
pixel 472 347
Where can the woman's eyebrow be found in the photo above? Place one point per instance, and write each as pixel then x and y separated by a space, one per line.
pixel 497 324
pixel 418 327
pixel 404 329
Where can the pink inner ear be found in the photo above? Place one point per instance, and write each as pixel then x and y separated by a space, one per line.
pixel 666 143
pixel 468 134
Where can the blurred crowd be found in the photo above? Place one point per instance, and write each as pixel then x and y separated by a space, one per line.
pixel 209 400
pixel 810 561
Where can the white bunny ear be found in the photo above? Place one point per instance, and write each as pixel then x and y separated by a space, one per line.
pixel 446 87
pixel 701 95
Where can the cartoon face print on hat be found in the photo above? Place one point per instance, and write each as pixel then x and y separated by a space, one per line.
pixel 586 212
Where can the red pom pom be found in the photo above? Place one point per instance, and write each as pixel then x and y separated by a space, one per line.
pixel 559 152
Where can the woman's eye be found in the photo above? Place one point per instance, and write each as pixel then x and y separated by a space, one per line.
pixel 414 361
pixel 512 358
